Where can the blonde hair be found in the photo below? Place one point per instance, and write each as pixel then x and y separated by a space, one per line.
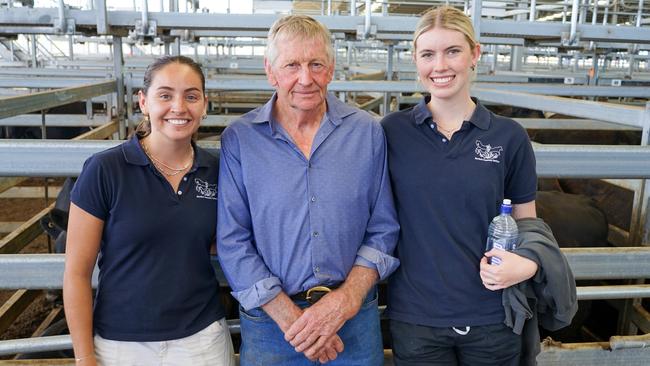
pixel 446 17
pixel 298 26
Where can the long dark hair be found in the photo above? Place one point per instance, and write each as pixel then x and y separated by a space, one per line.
pixel 144 127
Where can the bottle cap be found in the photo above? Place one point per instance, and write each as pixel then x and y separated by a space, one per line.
pixel 506 206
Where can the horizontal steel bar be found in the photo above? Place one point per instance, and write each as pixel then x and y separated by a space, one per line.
pixel 13 20
pixel 562 90
pixel 609 112
pixel 531 123
pixel 62 342
pixel 575 354
pixel 571 124
pixel 45 271
pixel 55 120
pixel 613 292
pixel 379 86
pixel 53 158
pixel 38 344
pixel 51 82
pixel 592 161
pixel 62 158
pixel 13 106
pixel 609 263
pixel 553 30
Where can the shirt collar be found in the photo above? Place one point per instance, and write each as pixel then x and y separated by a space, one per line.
pixel 480 117
pixel 336 111
pixel 134 154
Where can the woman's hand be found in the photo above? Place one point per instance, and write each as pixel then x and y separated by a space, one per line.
pixel 512 270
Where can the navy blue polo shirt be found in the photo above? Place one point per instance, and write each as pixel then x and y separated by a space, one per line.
pixel 446 193
pixel 156 281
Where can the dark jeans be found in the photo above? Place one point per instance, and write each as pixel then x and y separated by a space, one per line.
pixel 263 342
pixel 417 345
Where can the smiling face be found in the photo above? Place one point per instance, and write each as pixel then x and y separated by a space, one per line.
pixel 175 102
pixel 443 59
pixel 300 73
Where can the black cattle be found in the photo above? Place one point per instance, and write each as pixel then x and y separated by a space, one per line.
pixel 575 219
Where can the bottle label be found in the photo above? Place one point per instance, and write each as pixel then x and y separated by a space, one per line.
pixel 501 244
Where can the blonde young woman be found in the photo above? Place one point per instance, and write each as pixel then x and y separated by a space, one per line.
pixel 147 210
pixel 452 162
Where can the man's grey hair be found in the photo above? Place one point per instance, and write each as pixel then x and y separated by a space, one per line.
pixel 297 26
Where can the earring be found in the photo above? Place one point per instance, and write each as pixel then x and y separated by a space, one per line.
pixel 473 67
pixel 204 117
pixel 145 118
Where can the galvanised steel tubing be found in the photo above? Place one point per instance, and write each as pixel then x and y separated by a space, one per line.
pixel 378 86
pixel 17 105
pixel 609 112
pixel 592 161
pixel 569 90
pixel 61 22
pixel 55 72
pixel 532 123
pixel 63 342
pixel 613 292
pixel 399 27
pixel 569 124
pixel 367 22
pixel 54 158
pixel 552 30
pixel 533 11
pixel 34 271
pixel 37 344
pixel 145 15
pixel 63 158
pixel 55 120
pixel 574 21
pixel 45 271
pixel 609 263
pixel 102 16
pixel 477 7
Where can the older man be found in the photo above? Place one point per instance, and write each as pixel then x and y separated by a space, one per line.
pixel 306 220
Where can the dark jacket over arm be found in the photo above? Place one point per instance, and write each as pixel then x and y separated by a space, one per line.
pixel 548 298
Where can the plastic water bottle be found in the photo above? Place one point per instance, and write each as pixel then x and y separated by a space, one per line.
pixel 502 232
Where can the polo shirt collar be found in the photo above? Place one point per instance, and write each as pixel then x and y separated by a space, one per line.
pixel 134 154
pixel 480 117
pixel 336 112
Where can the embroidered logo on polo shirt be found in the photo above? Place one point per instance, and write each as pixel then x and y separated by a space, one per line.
pixel 205 190
pixel 487 152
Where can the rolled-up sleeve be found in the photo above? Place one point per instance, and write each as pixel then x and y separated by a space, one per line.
pixel 252 283
pixel 382 230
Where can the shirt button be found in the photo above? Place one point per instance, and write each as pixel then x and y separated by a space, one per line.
pixel 315 233
pixel 185 178
pixel 316 269
pixel 444 140
pixel 180 192
pixel 432 126
pixel 313 198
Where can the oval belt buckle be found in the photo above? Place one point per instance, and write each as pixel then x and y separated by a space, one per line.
pixel 324 289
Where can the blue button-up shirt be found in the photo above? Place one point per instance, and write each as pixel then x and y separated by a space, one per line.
pixel 288 223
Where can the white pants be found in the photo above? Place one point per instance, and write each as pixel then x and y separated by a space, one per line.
pixel 211 346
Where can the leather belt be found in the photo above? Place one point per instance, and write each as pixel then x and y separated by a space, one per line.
pixel 314 294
